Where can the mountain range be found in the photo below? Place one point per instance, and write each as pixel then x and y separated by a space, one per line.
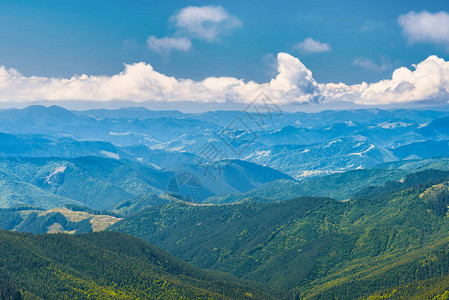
pixel 318 247
pixel 283 205
pixel 302 145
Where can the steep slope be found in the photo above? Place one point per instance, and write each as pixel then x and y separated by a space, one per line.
pixel 302 145
pixel 14 191
pixel 60 122
pixel 107 265
pixel 9 290
pixel 37 145
pixel 52 120
pixel 438 128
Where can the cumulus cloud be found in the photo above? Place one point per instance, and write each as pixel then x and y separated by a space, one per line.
pixel 294 83
pixel 201 22
pixel 426 27
pixel 370 65
pixel 167 44
pixel 310 45
pixel 205 22
pixel 140 82
pixel 428 81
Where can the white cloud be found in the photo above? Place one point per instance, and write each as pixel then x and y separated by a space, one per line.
pixel 370 65
pixel 167 44
pixel 294 83
pixel 429 81
pixel 312 46
pixel 140 82
pixel 205 22
pixel 426 27
pixel 201 22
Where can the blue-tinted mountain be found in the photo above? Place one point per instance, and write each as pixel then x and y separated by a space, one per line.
pixel 303 145
pixel 131 113
pixel 93 181
pixel 425 149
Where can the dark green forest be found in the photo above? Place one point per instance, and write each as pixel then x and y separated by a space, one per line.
pixel 9 290
pixel 107 265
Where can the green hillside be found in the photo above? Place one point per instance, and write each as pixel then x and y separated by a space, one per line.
pixel 107 265
pixel 318 247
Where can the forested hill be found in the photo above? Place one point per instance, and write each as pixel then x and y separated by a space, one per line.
pixel 106 265
pixel 384 238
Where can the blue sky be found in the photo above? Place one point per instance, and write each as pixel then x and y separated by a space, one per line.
pixel 62 38
pixel 362 40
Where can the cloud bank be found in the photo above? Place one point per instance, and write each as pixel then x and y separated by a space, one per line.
pixel 294 83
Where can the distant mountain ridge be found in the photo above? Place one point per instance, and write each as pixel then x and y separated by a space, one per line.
pixel 102 183
pixel 337 140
